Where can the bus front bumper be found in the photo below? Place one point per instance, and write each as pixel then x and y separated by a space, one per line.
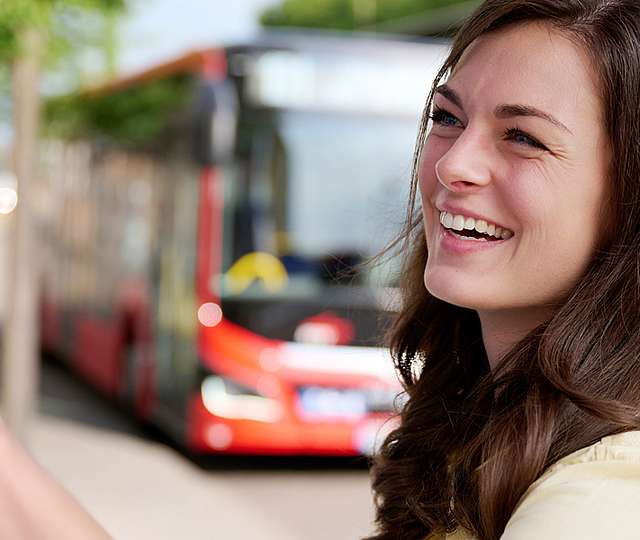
pixel 289 435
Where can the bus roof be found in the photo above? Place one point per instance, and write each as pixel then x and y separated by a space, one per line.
pixel 193 62
pixel 212 61
pixel 324 41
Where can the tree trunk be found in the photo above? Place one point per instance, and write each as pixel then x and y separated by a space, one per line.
pixel 20 356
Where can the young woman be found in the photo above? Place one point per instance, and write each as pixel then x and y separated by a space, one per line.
pixel 519 337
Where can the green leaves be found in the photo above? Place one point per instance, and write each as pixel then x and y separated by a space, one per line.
pixel 336 14
pixel 135 116
pixel 67 29
pixel 347 14
pixel 15 15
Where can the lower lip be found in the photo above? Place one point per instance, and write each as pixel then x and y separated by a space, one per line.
pixel 453 244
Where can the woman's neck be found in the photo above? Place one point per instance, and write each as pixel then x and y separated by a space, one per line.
pixel 501 329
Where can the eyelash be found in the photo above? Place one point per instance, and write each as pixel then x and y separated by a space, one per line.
pixel 439 115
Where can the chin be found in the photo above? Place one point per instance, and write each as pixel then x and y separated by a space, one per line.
pixel 462 292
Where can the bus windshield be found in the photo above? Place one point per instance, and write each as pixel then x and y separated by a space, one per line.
pixel 347 181
pixel 318 193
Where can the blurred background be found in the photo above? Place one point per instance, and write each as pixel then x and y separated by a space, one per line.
pixel 191 342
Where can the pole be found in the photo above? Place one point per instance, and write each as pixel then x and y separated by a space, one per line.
pixel 19 373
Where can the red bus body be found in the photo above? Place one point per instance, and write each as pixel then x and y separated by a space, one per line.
pixel 157 334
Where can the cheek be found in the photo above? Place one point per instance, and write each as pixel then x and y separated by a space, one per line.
pixel 579 231
pixel 427 180
pixel 560 228
pixel 531 198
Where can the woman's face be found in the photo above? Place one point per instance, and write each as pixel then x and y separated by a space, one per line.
pixel 518 144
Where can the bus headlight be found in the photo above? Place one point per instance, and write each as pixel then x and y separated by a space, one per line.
pixel 227 399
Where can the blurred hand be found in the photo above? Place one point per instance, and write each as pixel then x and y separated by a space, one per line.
pixel 33 506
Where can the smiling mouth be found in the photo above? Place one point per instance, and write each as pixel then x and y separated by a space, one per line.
pixel 468 228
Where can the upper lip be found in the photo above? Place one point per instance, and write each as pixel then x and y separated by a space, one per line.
pixel 458 210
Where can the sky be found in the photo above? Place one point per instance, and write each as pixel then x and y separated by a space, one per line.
pixel 158 30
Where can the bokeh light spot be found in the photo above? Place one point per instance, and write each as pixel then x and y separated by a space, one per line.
pixel 8 200
pixel 210 314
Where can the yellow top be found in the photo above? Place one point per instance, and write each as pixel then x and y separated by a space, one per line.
pixel 591 494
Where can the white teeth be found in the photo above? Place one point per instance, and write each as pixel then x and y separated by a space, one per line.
pixel 447 220
pixel 459 223
pixel 470 238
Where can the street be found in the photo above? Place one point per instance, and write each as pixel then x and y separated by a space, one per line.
pixel 139 487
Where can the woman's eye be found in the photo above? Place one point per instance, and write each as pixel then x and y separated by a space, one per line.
pixel 522 138
pixel 444 118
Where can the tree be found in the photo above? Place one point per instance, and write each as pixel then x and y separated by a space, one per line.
pixel 32 33
pixel 409 16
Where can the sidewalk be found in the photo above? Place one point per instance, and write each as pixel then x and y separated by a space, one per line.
pixel 141 490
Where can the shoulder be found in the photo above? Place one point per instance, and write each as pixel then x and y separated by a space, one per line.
pixel 591 494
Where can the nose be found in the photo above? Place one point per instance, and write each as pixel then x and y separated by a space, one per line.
pixel 467 165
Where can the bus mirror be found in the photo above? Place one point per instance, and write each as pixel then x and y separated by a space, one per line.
pixel 216 118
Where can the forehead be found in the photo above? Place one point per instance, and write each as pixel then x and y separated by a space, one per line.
pixel 532 64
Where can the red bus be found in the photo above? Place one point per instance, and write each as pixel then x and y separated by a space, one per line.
pixel 201 223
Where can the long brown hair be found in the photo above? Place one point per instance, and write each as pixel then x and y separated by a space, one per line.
pixel 470 441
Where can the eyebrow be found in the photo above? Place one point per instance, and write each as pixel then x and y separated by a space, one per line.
pixel 504 111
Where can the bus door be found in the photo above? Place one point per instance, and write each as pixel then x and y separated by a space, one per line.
pixel 174 282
